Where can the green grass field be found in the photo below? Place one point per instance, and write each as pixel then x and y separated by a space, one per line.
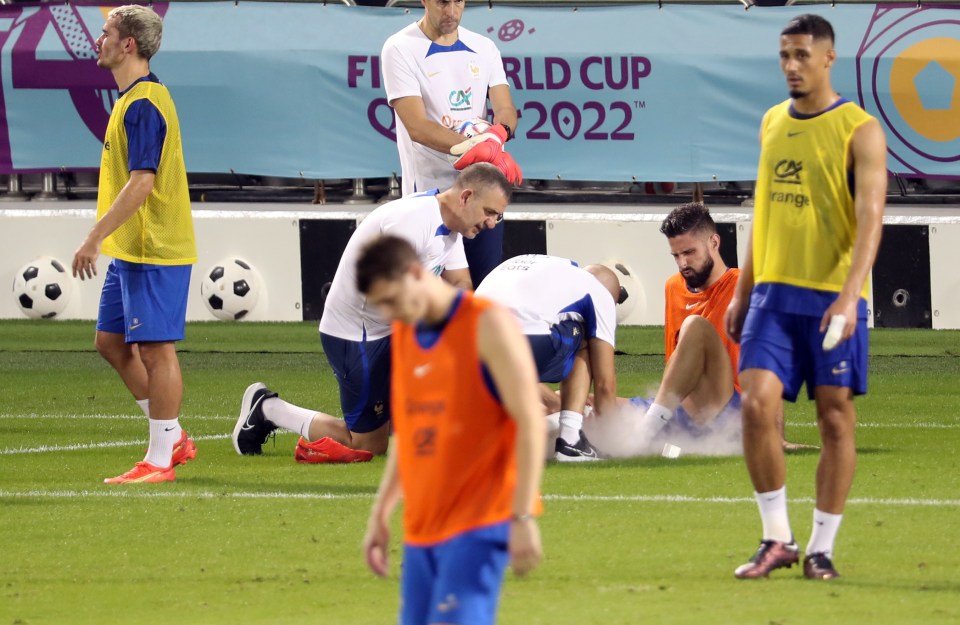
pixel 263 540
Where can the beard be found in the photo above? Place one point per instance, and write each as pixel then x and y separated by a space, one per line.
pixel 698 278
pixel 796 94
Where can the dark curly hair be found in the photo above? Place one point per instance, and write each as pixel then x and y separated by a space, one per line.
pixel 692 217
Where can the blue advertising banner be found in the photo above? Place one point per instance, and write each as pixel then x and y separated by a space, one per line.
pixel 605 93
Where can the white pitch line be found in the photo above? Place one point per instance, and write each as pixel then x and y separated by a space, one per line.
pixel 187 419
pixel 107 417
pixel 136 494
pixel 910 426
pixel 690 499
pixel 102 445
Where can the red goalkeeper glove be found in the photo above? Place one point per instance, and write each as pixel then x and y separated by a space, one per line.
pixel 481 148
pixel 509 167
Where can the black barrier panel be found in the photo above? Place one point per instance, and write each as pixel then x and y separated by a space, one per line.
pixel 524 237
pixel 901 279
pixel 728 244
pixel 322 242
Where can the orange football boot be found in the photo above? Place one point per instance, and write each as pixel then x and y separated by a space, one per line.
pixel 144 473
pixel 327 450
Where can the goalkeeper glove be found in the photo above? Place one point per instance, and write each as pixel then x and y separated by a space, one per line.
pixel 509 167
pixel 481 148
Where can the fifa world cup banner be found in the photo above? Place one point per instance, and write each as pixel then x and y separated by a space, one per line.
pixel 604 93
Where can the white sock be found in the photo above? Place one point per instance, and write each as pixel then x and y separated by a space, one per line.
pixel 287 416
pixel 144 406
pixel 655 419
pixel 825 527
pixel 773 514
pixel 164 434
pixel 570 425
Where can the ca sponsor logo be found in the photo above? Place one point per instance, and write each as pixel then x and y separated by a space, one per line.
pixel 788 171
pixel 460 99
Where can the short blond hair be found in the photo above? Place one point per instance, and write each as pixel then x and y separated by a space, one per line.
pixel 141 23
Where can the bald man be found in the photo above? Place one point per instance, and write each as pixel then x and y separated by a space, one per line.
pixel 568 313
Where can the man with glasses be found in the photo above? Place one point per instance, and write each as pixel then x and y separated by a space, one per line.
pixel 568 314
pixel 356 338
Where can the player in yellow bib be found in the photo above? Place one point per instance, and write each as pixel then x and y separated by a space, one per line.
pixel 144 223
pixel 821 186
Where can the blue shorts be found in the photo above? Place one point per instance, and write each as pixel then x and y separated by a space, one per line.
pixel 145 303
pixel 457 581
pixel 682 423
pixel 484 252
pixel 554 352
pixel 790 346
pixel 362 369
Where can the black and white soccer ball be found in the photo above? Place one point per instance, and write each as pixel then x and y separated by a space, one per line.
pixel 42 288
pixel 230 289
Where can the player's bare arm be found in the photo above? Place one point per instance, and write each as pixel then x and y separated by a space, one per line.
pixel 128 202
pixel 506 353
pixel 604 374
pixel 377 539
pixel 737 309
pixel 423 130
pixel 868 151
pixel 504 111
pixel 459 278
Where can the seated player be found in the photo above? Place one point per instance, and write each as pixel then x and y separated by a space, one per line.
pixel 698 398
pixel 699 383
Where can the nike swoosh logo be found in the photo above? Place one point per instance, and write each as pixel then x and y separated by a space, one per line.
pixel 169 429
pixel 246 423
pixel 135 326
pixel 694 305
pixel 794 134
pixel 421 371
pixel 432 74
pixel 839 370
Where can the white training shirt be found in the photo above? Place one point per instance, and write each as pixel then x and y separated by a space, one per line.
pixel 543 290
pixel 415 218
pixel 453 82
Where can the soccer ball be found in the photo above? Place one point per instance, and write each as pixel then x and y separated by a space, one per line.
pixel 42 288
pixel 631 291
pixel 230 289
pixel 472 127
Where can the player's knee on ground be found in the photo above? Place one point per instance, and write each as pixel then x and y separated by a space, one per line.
pixel 376 442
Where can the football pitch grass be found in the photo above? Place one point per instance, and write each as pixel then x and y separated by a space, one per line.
pixel 264 540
